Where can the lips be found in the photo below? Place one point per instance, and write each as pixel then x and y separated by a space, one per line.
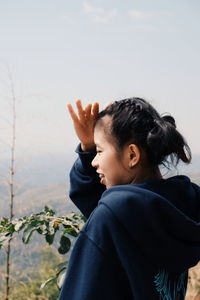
pixel 102 178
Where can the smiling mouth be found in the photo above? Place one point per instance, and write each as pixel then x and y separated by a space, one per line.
pixel 102 178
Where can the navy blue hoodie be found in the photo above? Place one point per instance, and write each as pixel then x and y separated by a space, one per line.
pixel 139 239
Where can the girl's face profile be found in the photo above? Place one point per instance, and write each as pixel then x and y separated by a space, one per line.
pixel 111 166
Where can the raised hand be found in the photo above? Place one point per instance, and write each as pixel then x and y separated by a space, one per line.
pixel 84 123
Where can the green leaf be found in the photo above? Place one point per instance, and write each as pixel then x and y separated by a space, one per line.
pixel 70 231
pixel 49 211
pixel 61 277
pixel 47 281
pixel 51 227
pixel 4 221
pixel 26 237
pixel 65 245
pixel 43 228
pixel 19 225
pixel 49 238
pixel 39 231
pixel 61 266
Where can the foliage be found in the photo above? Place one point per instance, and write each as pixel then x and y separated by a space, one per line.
pixel 57 278
pixel 27 284
pixel 47 224
pixel 44 223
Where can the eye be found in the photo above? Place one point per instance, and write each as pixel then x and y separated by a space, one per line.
pixel 98 151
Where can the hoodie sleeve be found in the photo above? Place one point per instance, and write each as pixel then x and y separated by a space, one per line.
pixel 93 272
pixel 87 273
pixel 85 187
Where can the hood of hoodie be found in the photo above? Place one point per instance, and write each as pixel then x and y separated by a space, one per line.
pixel 161 217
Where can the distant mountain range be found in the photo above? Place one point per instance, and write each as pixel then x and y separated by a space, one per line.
pixel 39 181
pixel 43 180
pixel 54 169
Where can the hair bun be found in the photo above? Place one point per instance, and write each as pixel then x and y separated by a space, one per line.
pixel 169 119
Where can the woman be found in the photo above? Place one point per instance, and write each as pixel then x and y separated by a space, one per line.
pixel 143 231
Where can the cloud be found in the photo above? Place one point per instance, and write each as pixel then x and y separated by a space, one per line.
pixel 141 15
pixel 98 14
pixel 104 18
pixel 148 20
pixel 87 8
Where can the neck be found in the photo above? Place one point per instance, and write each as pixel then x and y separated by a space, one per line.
pixel 146 174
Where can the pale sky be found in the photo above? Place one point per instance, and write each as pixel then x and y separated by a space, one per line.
pixel 61 50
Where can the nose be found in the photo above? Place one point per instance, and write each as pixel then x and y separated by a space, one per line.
pixel 94 162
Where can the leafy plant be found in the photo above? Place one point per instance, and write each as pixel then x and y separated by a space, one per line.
pixel 47 224
pixel 44 223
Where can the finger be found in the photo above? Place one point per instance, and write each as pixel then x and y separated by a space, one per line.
pixel 72 112
pixel 88 110
pixel 95 109
pixel 81 111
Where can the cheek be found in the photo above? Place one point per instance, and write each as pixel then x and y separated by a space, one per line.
pixel 114 170
pixel 105 158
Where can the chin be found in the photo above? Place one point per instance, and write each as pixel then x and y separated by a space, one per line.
pixel 108 186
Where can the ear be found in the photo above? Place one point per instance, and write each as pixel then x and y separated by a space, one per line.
pixel 134 154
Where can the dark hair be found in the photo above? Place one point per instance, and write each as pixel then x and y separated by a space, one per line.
pixel 134 120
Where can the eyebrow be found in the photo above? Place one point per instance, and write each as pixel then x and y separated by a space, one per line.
pixel 97 145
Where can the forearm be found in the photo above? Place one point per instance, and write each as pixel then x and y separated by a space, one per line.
pixel 85 187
